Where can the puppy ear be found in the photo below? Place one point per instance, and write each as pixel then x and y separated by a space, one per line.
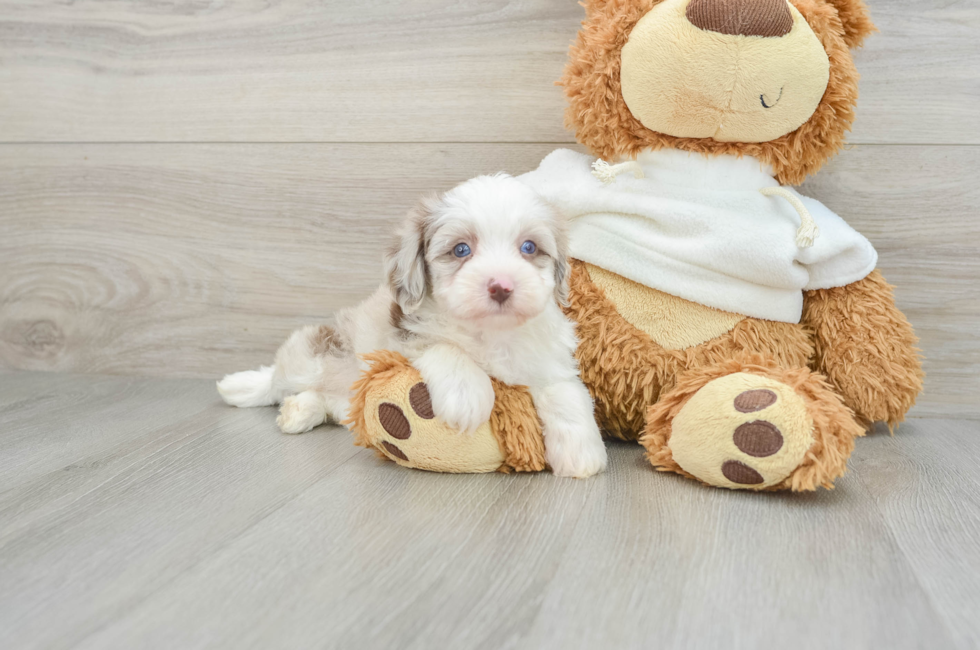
pixel 562 265
pixel 405 265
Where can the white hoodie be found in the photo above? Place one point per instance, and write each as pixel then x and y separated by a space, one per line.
pixel 697 227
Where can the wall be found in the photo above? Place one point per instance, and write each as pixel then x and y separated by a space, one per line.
pixel 184 182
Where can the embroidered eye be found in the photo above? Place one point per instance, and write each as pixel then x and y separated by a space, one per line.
pixel 529 247
pixel 461 250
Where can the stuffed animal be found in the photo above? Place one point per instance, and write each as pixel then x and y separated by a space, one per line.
pixel 391 412
pixel 738 329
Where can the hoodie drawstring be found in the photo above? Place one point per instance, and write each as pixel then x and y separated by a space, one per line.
pixel 808 231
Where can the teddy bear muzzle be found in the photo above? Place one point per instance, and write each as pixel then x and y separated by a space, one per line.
pixel 729 70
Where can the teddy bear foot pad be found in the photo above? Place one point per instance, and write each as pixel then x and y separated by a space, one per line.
pixel 742 430
pixel 392 413
pixel 752 425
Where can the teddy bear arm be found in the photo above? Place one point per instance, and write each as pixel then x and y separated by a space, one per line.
pixel 391 412
pixel 866 347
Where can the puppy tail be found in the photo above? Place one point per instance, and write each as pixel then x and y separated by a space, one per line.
pixel 248 388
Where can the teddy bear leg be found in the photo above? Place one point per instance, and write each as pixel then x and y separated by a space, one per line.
pixel 391 412
pixel 750 424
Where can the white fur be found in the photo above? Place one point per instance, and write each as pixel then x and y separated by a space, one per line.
pixel 450 328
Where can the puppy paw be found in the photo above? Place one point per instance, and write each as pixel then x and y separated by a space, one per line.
pixel 464 403
pixel 579 456
pixel 300 413
pixel 462 394
pixel 573 445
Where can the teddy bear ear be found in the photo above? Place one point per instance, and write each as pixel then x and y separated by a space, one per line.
pixel 593 7
pixel 856 18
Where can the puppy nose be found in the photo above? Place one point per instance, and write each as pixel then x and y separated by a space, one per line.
pixel 741 17
pixel 500 291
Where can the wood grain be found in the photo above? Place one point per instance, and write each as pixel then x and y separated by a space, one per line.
pixel 432 71
pixel 196 260
pixel 925 483
pixel 143 513
pixel 917 205
pixel 153 490
pixel 205 527
pixel 725 569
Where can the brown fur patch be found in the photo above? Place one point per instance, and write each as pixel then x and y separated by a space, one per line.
pixel 405 263
pixel 395 315
pixel 602 121
pixel 626 371
pixel 866 347
pixel 325 340
pixel 834 426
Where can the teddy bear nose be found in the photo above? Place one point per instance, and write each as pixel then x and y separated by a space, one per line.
pixel 741 17
pixel 500 291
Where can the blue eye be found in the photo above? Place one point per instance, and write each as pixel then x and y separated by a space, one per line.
pixel 529 247
pixel 461 250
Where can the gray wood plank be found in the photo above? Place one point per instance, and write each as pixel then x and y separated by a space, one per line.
pixel 926 484
pixel 433 71
pixel 82 543
pixel 917 205
pixel 45 433
pixel 215 251
pixel 215 531
pixel 196 260
pixel 725 569
pixel 374 557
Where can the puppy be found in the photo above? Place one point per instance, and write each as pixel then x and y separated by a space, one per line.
pixel 474 283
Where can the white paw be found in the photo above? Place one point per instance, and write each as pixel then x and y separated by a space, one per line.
pixel 462 401
pixel 577 456
pixel 300 413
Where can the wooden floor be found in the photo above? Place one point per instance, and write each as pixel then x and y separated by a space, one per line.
pixel 184 183
pixel 143 513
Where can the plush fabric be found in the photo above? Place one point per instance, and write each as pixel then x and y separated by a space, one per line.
pixel 698 228
pixel 705 433
pixel 627 371
pixel 739 349
pixel 391 413
pixel 672 323
pixel 602 121
pixel 516 426
pixel 833 430
pixel 688 82
pixel 867 348
pixel 855 21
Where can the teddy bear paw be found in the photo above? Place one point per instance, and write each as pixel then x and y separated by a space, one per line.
pixel 742 431
pixel 404 428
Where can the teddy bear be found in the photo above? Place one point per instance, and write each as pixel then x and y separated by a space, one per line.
pixel 739 330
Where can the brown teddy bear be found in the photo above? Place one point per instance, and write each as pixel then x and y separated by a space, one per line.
pixel 737 329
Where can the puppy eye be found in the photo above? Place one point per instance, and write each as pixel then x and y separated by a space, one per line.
pixel 529 247
pixel 461 250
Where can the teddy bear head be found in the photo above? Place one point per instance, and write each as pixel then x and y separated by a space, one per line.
pixel 773 79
